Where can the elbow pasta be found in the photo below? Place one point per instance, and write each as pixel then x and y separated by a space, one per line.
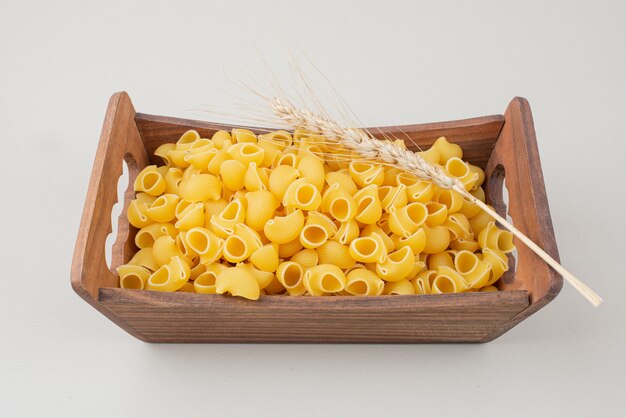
pixel 281 214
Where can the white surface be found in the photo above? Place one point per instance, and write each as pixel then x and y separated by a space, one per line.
pixel 395 63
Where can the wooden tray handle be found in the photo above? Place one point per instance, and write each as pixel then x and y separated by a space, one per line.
pixel 119 140
pixel 516 157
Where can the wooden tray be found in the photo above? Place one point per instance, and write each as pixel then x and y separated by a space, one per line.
pixel 501 144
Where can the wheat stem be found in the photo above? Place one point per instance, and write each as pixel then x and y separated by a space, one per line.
pixel 371 148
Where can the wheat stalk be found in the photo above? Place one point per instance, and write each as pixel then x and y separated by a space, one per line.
pixel 359 141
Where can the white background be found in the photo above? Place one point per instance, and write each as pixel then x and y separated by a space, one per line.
pixel 394 62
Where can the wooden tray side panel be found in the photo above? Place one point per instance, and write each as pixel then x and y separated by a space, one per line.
pixel 516 156
pixel 194 318
pixel 477 136
pixel 119 141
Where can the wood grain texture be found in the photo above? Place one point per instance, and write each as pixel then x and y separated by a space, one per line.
pixel 119 141
pixel 477 136
pixel 516 158
pixel 189 317
pixel 184 317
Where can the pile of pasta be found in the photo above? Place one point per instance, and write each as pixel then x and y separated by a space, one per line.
pixel 290 214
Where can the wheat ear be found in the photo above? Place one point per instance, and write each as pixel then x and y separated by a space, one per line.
pixel 359 141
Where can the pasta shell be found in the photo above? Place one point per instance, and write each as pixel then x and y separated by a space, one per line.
pixel 200 187
pixel 363 282
pixel 290 274
pixel 283 229
pixel 237 281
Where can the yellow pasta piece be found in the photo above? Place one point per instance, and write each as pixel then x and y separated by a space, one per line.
pixel 205 282
pixel 200 187
pixel 497 261
pixel 475 272
pixel 332 252
pixel 338 203
pixel 283 229
pixel 280 179
pixel 479 222
pixel 242 244
pixel 397 265
pixel 408 219
pixel 260 208
pixel 370 249
pixel 302 195
pixel 317 230
pixel 197 269
pixel 391 174
pixel 162 151
pixel 164 249
pixel 144 258
pixel 416 190
pixel 464 244
pixel 347 232
pixel 200 154
pixel 287 250
pixel 493 237
pixel 224 224
pixel 266 257
pixel 401 287
pixel 488 289
pixel 306 258
pixel 418 266
pixel 271 152
pixel 145 237
pixel 132 276
pixel 289 158
pixel 173 177
pixel 311 169
pixel 374 229
pixel 458 168
pixel 243 136
pixel 437 213
pixel 324 279
pixel 232 173
pixel 416 241
pixel 169 277
pixel 437 239
pixel 247 153
pixel 365 174
pixel 421 282
pixel 150 181
pixel 343 179
pixel 263 278
pixel 363 282
pixel 431 154
pixel 177 157
pixel 219 138
pixel 204 243
pixel 480 173
pixel 448 280
pixel 163 209
pixel 453 200
pixel 144 199
pixel 291 274
pixel 368 206
pixel 255 178
pixel 187 139
pixel 184 248
pixel 137 214
pixel 392 197
pixel 213 207
pixel 434 261
pixel 191 216
pixel 447 150
pixel 459 226
pixel 237 281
